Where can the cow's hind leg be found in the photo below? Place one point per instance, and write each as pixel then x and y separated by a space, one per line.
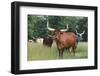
pixel 73 49
pixel 61 53
pixel 68 49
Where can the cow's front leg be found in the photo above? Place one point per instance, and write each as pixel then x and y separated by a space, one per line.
pixel 59 52
pixel 62 50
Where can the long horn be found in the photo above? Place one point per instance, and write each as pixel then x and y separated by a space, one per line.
pixel 77 32
pixel 80 33
pixel 51 29
pixel 65 29
pixel 83 32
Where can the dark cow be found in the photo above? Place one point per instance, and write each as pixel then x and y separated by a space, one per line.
pixel 64 40
pixel 47 41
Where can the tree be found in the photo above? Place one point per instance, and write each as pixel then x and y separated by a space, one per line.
pixel 37 24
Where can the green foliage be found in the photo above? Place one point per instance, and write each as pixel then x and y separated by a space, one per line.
pixel 37 24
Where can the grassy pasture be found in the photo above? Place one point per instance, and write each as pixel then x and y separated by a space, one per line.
pixel 36 51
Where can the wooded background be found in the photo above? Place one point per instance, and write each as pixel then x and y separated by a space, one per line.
pixel 37 25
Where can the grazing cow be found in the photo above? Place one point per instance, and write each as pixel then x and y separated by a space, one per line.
pixel 47 41
pixel 39 40
pixel 64 40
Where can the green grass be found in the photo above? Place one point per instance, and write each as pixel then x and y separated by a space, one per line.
pixel 37 51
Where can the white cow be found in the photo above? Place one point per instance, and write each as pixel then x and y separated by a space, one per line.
pixel 39 40
pixel 30 40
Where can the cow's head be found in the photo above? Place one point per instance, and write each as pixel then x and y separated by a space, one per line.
pixel 79 35
pixel 56 32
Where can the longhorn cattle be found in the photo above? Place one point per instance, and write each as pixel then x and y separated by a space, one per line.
pixel 47 41
pixel 79 35
pixel 63 40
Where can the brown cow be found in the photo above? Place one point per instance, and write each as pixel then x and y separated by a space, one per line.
pixel 64 40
